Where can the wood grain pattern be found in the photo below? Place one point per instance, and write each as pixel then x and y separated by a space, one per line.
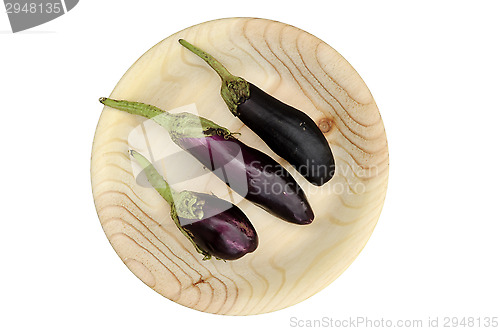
pixel 292 262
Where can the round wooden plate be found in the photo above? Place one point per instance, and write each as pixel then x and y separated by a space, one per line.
pixel 292 262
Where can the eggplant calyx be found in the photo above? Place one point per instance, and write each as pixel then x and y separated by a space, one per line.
pixel 224 133
pixel 187 125
pixel 235 91
pixel 188 205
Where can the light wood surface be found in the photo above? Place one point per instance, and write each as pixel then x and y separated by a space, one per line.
pixel 292 262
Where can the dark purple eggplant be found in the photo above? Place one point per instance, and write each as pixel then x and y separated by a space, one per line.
pixel 248 171
pixel 289 132
pixel 214 226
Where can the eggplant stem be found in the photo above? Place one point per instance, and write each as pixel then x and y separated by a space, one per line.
pixel 223 73
pixel 135 108
pixel 154 178
pixel 234 90
pixel 142 109
pixel 180 125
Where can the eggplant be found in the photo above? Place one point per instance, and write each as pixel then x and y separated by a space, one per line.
pixel 265 182
pixel 251 173
pixel 289 132
pixel 214 226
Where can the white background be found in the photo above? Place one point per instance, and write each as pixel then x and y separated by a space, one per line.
pixel 433 68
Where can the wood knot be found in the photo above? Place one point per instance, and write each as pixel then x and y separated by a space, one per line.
pixel 325 125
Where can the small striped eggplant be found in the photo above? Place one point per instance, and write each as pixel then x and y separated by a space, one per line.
pixel 214 226
pixel 289 132
pixel 249 172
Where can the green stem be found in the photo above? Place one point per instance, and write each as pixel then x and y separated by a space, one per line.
pixel 234 90
pixel 181 125
pixel 135 108
pixel 161 117
pixel 154 178
pixel 223 73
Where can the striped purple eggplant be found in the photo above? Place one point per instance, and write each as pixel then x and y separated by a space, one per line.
pixel 264 181
pixel 248 171
pixel 287 131
pixel 227 233
pixel 214 226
